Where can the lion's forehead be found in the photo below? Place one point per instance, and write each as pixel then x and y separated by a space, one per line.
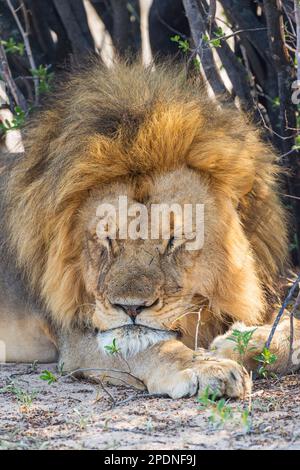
pixel 178 190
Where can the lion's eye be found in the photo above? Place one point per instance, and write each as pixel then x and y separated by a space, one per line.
pixel 109 242
pixel 171 243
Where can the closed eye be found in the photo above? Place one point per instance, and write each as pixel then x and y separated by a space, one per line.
pixel 170 244
pixel 109 242
pixel 174 243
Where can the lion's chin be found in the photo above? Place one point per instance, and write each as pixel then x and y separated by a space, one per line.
pixel 132 339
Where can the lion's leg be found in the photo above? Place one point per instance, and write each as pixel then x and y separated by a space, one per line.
pixel 223 347
pixel 173 369
pixel 168 367
pixel 79 353
pixel 25 337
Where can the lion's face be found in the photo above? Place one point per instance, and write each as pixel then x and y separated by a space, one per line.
pixel 143 287
pixel 155 138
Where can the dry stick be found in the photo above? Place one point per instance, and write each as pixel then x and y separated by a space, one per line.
pixel 24 35
pixel 288 14
pixel 239 31
pixel 110 396
pixel 124 382
pixel 97 369
pixel 288 195
pixel 197 328
pixel 281 311
pixel 273 132
pixel 297 18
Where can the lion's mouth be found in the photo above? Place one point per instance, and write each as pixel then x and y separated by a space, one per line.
pixel 135 328
pixel 130 340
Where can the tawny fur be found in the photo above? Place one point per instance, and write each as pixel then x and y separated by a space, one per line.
pixel 120 124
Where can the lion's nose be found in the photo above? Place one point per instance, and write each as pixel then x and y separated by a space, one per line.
pixel 132 310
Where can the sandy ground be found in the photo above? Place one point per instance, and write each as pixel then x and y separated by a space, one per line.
pixel 73 414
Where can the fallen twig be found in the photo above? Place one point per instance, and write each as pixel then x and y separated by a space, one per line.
pixel 97 369
pixel 105 390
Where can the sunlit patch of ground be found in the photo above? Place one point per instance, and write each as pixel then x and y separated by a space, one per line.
pixel 71 414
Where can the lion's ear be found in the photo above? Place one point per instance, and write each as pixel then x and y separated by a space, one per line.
pixel 233 161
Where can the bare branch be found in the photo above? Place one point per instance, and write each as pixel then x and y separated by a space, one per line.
pixel 105 369
pixel 24 35
pixel 6 73
pixel 281 311
pixel 198 29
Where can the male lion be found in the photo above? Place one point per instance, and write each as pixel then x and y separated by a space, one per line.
pixel 154 138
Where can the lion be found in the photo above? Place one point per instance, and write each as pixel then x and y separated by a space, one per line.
pixel 144 309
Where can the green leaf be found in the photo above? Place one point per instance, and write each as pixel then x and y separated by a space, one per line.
pixel 45 77
pixel 183 44
pixel 112 348
pixel 12 47
pixel 16 122
pixel 48 376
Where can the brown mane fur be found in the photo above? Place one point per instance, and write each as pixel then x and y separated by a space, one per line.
pixel 124 122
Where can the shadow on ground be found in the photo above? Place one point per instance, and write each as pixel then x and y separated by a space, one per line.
pixel 72 414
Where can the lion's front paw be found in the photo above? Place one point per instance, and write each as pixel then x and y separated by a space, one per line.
pixel 223 376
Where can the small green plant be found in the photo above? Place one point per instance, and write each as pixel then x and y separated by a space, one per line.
pixel 112 348
pixel 197 63
pixel 82 420
pixel 45 77
pixel 16 123
pixel 13 47
pixel 149 425
pixel 297 143
pixel 183 44
pixel 265 358
pixel 294 245
pixel 242 339
pixel 246 419
pixel 33 366
pixel 216 40
pixel 276 102
pixel 48 376
pixel 60 368
pixel 23 397
pixel 220 412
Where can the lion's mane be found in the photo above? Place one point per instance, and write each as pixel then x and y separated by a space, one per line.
pixel 124 122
